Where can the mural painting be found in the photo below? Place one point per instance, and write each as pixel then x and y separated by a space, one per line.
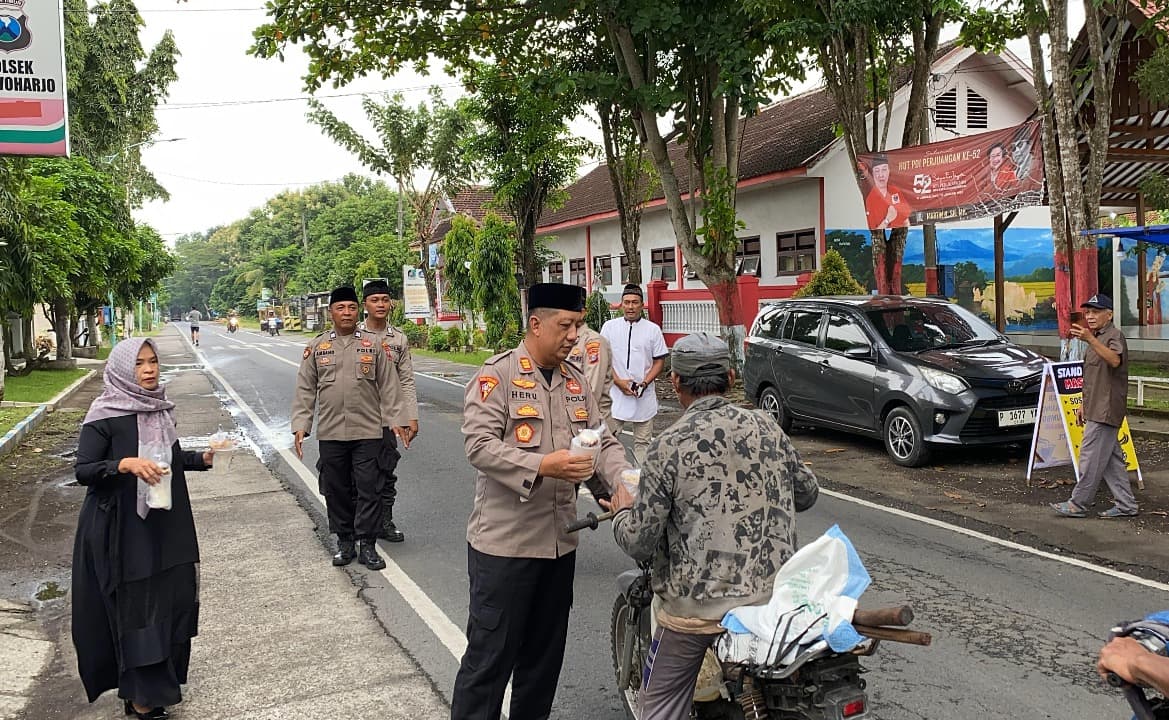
pixel 1028 263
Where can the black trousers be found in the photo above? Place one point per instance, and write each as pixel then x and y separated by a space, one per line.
pixel 387 464
pixel 517 629
pixel 352 486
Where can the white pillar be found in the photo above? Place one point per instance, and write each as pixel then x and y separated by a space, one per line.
pixel 1117 258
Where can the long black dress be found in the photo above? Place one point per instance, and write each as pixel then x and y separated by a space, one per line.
pixel 135 581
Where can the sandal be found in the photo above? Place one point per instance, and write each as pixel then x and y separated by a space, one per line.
pixel 1066 509
pixel 158 713
pixel 1115 512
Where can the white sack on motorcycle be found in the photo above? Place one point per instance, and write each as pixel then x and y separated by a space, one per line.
pixel 812 601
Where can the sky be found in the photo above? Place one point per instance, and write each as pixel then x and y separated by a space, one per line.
pixel 241 120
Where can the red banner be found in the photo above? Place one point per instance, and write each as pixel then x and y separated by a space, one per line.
pixel 961 179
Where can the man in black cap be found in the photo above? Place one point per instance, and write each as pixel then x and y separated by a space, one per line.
pixel 377 300
pixel 520 415
pixel 715 511
pixel 1105 404
pixel 639 354
pixel 346 377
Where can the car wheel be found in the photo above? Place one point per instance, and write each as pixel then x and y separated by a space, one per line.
pixel 770 402
pixel 904 440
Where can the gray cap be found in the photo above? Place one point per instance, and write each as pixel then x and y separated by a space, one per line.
pixel 700 355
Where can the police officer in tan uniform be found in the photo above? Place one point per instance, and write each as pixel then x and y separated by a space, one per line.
pixel 593 354
pixel 345 375
pixel 520 414
pixel 376 295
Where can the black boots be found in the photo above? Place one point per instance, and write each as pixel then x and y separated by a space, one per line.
pixel 367 555
pixel 345 552
pixel 389 530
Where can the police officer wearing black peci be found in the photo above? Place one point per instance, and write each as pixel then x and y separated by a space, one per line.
pixel 520 414
pixel 345 375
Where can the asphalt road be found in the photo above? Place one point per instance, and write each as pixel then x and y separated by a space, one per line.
pixel 1015 635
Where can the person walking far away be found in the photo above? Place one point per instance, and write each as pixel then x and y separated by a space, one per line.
pixel 135 569
pixel 194 317
pixel 715 511
pixel 393 342
pixel 1105 404
pixel 639 352
pixel 346 377
pixel 520 414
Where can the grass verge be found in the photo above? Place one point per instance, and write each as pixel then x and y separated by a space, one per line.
pixel 477 357
pixel 40 385
pixel 9 417
pixel 1148 369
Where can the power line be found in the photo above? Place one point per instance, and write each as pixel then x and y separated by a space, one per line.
pixel 300 98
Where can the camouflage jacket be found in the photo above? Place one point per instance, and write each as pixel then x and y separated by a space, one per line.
pixel 716 509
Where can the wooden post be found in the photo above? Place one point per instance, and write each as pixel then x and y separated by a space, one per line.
pixel 1000 310
pixel 1142 269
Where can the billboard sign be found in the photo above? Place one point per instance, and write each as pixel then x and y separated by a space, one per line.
pixel 416 299
pixel 966 178
pixel 33 114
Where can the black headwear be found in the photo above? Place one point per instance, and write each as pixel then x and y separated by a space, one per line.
pixel 375 287
pixel 344 293
pixel 632 289
pixel 557 296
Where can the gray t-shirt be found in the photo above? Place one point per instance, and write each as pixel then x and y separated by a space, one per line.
pixel 194 317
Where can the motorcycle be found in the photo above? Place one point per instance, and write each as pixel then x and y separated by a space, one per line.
pixel 232 324
pixel 819 684
pixel 1153 634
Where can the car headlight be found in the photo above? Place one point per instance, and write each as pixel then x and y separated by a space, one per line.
pixel 944 381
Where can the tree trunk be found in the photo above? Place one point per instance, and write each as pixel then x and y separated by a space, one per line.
pixel 62 328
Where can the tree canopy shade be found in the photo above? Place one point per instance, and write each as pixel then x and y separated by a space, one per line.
pixel 523 147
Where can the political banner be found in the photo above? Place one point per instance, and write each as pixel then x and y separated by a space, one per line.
pixel 33 114
pixel 1058 432
pixel 965 178
pixel 416 299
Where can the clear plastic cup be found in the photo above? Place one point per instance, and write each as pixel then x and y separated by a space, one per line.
pixel 631 479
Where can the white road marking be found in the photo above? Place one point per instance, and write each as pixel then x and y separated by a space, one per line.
pixel 443 628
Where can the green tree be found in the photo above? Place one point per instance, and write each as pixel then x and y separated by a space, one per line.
pixel 524 149
pixel 114 86
pixel 493 272
pixel 833 278
pixel 413 143
pixel 458 250
pixel 597 310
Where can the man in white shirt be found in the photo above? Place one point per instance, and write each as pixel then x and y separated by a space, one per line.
pixel 639 353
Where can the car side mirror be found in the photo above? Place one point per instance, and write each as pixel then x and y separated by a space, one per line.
pixel 859 353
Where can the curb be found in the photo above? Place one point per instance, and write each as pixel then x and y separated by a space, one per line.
pixel 13 437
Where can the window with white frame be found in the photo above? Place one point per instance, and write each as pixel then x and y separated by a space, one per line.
pixel 624 269
pixel 977 111
pixel 946 109
pixel 603 269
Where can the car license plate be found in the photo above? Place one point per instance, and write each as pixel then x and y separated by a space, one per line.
pixel 1022 416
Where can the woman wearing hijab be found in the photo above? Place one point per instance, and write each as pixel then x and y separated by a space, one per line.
pixel 135 569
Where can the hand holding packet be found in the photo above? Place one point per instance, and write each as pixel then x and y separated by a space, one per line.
pixel 587 442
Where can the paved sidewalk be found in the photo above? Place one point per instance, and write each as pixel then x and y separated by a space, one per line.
pixel 282 633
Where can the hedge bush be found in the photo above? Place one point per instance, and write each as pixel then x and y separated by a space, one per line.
pixel 455 339
pixel 437 340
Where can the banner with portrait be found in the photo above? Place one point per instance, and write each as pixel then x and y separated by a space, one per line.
pixel 966 178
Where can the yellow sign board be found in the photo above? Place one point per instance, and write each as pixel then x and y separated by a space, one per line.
pixel 1058 432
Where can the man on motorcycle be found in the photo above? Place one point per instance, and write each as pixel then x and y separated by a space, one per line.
pixel 1134 664
pixel 715 511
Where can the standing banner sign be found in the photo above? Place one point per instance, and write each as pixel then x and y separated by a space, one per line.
pixel 33 113
pixel 1058 435
pixel 416 300
pixel 966 178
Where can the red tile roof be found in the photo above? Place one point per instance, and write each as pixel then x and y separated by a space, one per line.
pixel 471 201
pixel 781 137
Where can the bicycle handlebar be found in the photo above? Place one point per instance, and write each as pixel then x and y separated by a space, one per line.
pixel 589 521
